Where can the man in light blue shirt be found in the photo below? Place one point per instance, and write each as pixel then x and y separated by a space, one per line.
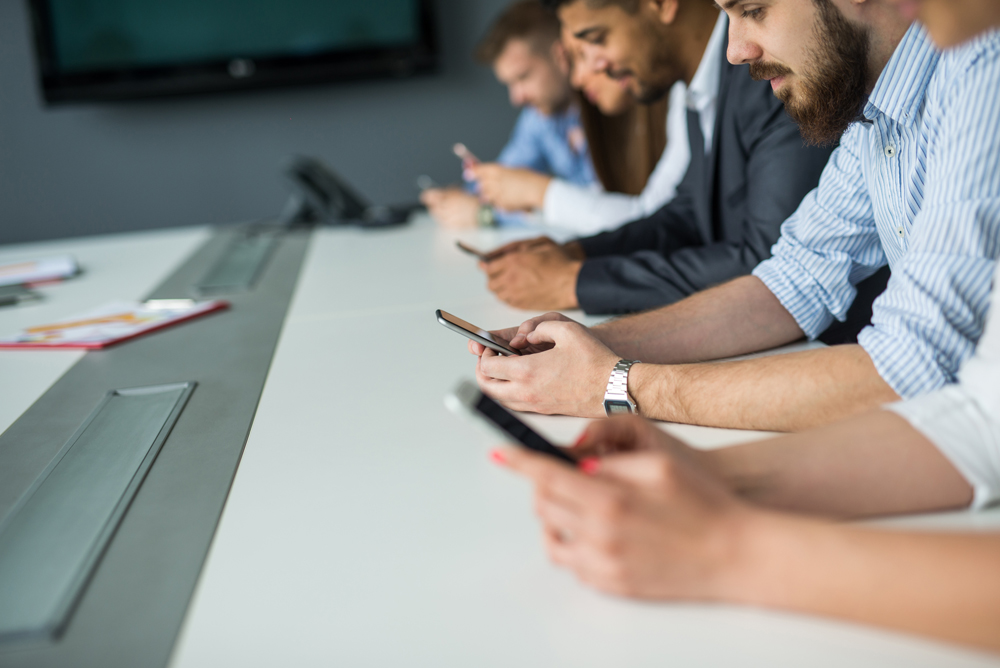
pixel 915 183
pixel 523 46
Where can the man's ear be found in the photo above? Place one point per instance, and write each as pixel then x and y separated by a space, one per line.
pixel 560 57
pixel 665 10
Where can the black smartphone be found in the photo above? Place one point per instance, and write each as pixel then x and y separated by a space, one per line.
pixel 477 334
pixel 485 257
pixel 462 246
pixel 468 399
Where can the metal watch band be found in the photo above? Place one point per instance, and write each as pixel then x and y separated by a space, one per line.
pixel 617 389
pixel 486 216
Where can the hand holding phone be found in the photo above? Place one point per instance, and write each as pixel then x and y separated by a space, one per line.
pixel 483 256
pixel 477 334
pixel 469 161
pixel 468 399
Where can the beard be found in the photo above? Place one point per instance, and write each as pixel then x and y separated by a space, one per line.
pixel 662 60
pixel 646 93
pixel 835 90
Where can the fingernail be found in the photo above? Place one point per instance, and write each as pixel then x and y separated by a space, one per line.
pixel 498 457
pixel 590 466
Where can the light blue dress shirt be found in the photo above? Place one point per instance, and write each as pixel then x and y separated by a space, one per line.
pixel 542 143
pixel 916 186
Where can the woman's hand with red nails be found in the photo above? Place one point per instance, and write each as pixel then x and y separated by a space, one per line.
pixel 645 524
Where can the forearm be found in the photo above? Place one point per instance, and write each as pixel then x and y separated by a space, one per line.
pixel 788 392
pixel 876 464
pixel 737 318
pixel 946 586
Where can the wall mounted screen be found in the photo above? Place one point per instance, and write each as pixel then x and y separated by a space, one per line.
pixel 117 49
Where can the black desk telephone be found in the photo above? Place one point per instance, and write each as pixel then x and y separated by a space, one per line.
pixel 319 195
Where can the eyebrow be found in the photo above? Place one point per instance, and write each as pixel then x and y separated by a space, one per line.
pixel 727 5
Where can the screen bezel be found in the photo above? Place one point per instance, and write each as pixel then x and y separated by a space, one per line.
pixel 214 76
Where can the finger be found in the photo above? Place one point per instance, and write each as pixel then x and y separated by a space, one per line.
pixel 499 367
pixel 553 479
pixel 560 552
pixel 476 348
pixel 621 433
pixel 547 332
pixel 640 468
pixel 494 269
pixel 555 513
pixel 526 328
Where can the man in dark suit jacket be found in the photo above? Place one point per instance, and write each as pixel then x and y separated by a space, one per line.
pixel 728 210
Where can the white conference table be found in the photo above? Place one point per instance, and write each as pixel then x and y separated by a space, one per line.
pixel 366 526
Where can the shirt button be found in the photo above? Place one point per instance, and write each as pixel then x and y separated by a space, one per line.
pixel 890 151
pixel 901 232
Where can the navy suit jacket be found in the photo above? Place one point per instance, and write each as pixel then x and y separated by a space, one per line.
pixel 727 212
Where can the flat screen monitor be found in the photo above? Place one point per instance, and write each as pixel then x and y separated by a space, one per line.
pixel 93 50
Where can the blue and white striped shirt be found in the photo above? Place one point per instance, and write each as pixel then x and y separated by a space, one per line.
pixel 917 187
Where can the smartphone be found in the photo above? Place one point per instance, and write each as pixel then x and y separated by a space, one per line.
pixel 477 334
pixel 465 154
pixel 485 257
pixel 468 399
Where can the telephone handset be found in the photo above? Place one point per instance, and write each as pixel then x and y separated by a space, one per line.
pixel 319 195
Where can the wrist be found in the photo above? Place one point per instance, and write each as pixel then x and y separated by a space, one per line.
pixel 751 550
pixel 651 386
pixel 541 189
pixel 570 278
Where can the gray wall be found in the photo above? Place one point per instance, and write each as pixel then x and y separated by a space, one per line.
pixel 70 171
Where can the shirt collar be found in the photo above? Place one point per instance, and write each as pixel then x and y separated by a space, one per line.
pixel 902 86
pixel 704 88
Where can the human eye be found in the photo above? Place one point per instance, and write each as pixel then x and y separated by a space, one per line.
pixel 593 37
pixel 755 14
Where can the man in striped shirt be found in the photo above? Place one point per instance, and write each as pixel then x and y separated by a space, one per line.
pixel 914 185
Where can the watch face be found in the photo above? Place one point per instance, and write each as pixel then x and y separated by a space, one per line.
pixel 617 407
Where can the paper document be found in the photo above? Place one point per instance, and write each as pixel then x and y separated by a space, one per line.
pixel 38 271
pixel 111 323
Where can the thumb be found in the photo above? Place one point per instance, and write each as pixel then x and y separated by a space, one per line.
pixel 639 468
pixel 546 332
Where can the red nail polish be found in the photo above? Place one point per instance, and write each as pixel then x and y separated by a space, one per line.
pixel 498 457
pixel 590 466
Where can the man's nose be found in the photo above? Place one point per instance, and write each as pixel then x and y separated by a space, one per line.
pixel 742 49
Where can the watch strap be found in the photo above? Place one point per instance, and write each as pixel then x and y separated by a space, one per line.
pixel 617 389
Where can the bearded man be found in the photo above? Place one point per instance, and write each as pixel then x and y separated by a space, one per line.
pixel 912 185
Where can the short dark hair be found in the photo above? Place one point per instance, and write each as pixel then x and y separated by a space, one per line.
pixel 630 6
pixel 528 20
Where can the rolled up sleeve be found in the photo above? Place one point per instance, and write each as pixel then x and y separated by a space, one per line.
pixel 827 246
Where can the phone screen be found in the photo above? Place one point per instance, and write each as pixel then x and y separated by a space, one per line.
pixel 476 333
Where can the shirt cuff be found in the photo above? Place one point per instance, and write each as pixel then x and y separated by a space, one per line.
pixel 967 436
pixel 559 198
pixel 809 312
pixel 905 364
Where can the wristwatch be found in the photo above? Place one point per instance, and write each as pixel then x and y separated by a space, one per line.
pixel 486 217
pixel 617 400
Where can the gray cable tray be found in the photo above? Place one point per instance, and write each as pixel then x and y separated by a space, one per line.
pixel 53 538
pixel 241 264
